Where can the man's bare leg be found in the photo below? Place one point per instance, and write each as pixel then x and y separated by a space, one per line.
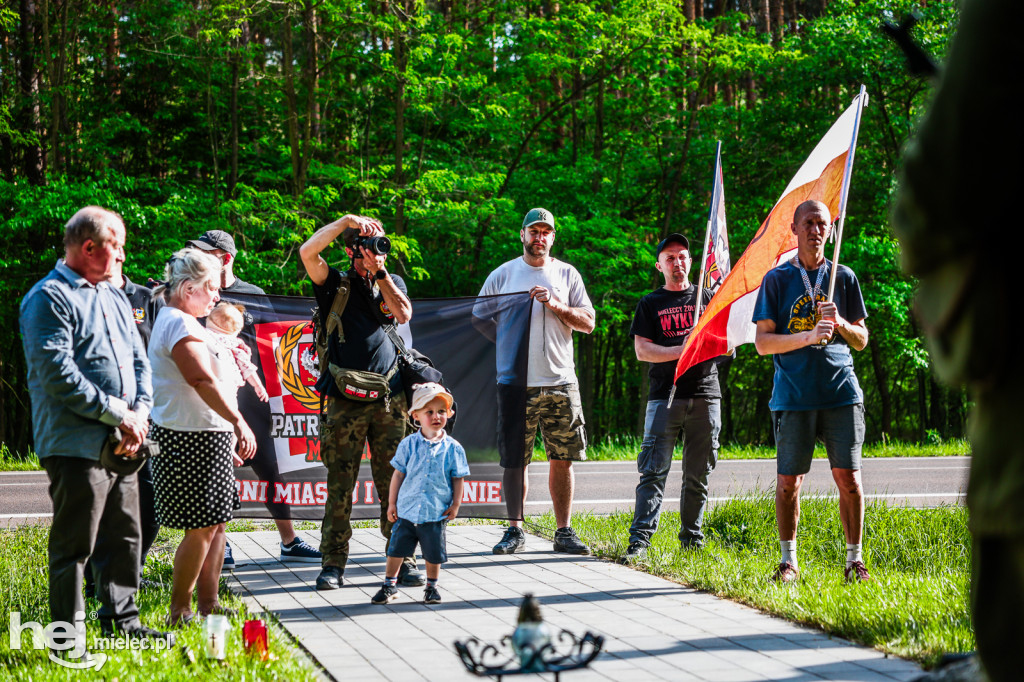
pixel 561 484
pixel 851 503
pixel 286 529
pixel 787 505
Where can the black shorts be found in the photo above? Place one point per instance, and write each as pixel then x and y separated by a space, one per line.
pixel 430 536
pixel 842 429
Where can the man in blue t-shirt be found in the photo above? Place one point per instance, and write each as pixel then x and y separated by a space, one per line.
pixel 815 390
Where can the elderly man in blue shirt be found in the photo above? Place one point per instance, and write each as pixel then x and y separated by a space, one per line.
pixel 88 375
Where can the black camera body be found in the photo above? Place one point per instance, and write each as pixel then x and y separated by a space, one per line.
pixel 378 245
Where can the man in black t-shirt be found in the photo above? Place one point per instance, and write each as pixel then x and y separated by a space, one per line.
pixel 293 548
pixel 355 415
pixel 661 323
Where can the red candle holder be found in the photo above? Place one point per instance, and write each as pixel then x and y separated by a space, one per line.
pixel 254 633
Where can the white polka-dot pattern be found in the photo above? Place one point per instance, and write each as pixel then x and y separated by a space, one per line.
pixel 194 478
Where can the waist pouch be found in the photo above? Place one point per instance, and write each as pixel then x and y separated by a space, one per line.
pixel 363 386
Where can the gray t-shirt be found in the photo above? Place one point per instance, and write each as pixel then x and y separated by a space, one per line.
pixel 550 354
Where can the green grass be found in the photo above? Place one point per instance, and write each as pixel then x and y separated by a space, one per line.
pixel 915 607
pixel 11 461
pixel 625 448
pixel 23 587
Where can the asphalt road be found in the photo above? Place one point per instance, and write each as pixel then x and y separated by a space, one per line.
pixel 603 487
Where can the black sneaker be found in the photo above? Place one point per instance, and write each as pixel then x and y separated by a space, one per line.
pixel 691 543
pixel 512 541
pixel 329 578
pixel 567 542
pixel 408 576
pixel 229 559
pixel 431 595
pixel 385 595
pixel 298 550
pixel 637 551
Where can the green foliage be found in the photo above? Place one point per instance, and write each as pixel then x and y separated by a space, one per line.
pixel 916 605
pixel 270 119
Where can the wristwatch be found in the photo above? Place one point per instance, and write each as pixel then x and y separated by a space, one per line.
pixel 380 274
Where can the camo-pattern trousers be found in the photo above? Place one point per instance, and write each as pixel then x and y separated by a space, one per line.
pixel 345 427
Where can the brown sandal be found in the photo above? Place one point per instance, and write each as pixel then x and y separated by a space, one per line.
pixel 182 621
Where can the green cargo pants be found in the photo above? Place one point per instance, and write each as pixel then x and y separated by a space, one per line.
pixel 345 427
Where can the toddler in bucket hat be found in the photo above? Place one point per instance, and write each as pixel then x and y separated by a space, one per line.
pixel 425 491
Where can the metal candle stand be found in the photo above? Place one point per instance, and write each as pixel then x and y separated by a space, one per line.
pixel 566 651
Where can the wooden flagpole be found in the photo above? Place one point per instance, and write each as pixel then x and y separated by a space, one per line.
pixel 715 198
pixel 862 99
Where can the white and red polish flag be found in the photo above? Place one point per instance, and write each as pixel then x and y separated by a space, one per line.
pixel 726 323
pixel 715 263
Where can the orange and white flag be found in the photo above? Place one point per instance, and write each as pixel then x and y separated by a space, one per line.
pixel 726 323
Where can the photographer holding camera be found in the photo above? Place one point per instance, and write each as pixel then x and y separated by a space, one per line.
pixel 359 378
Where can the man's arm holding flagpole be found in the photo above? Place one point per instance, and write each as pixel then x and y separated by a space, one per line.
pixel 854 333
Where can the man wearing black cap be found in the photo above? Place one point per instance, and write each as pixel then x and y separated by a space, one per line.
pixel 293 548
pixel 661 323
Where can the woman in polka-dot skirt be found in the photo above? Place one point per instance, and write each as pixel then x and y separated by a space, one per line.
pixel 197 423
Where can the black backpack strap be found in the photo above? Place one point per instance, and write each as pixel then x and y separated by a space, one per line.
pixel 326 324
pixel 396 339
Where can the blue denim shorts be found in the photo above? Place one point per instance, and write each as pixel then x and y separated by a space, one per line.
pixel 405 535
pixel 842 429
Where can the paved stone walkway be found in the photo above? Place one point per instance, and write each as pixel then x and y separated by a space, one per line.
pixel 654 629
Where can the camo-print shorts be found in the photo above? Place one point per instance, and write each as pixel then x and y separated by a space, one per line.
pixel 556 410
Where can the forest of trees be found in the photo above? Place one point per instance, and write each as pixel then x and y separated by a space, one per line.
pixel 449 119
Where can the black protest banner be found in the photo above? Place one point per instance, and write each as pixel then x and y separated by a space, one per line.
pixel 286 479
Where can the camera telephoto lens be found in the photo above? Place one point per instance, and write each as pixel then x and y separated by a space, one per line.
pixel 378 245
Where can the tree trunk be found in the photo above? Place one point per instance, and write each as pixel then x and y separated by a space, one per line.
pixel 777 20
pixel 728 428
pixel 595 182
pixel 937 415
pixel 882 386
pixel 233 104
pixel 764 16
pixel 677 178
pixel 290 100
pixel 311 71
pixel 577 88
pixel 401 62
pixel 27 119
pixel 588 374
pixel 113 49
pixel 551 10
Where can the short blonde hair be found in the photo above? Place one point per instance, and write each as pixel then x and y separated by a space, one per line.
pixel 188 266
pixel 228 316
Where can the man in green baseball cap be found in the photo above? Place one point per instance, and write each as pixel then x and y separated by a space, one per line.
pixel 548 396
